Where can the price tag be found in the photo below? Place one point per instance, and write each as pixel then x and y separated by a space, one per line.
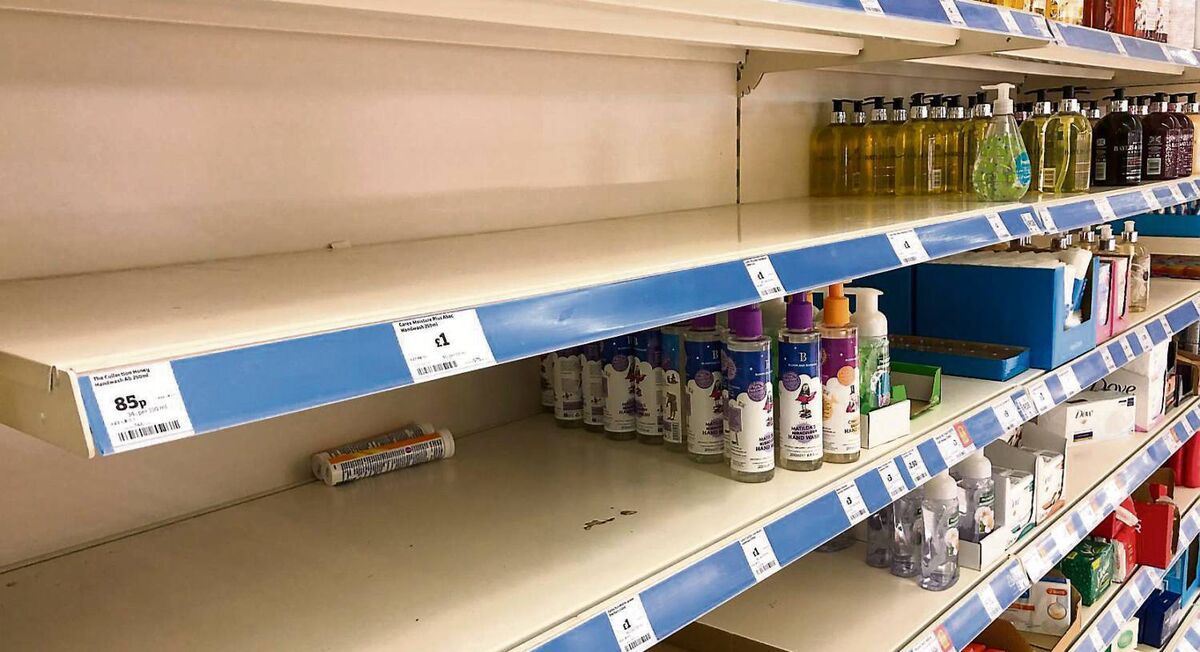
pixel 1031 224
pixel 1106 210
pixel 1189 527
pixel 1120 45
pixel 1126 348
pixel 997 224
pixel 1184 645
pixel 892 480
pixel 1135 591
pixel 990 604
pixel 1064 539
pixel 1186 56
pixel 760 555
pixel 1087 512
pixel 1042 28
pixel 1057 33
pixel 1144 339
pixel 141 406
pixel 872 7
pixel 1042 400
pixel 908 247
pixel 1069 381
pixel 1172 440
pixel 1018 579
pixel 1151 199
pixel 1008 415
pixel 1034 564
pixel 953 14
pixel 631 625
pixel 1177 194
pixel 852 502
pixel 1106 357
pixel 441 345
pixel 1010 23
pixel 928 643
pixel 762 274
pixel 951 445
pixel 1196 304
pixel 1166 326
pixel 1047 219
pixel 1025 407
pixel 1097 641
pixel 1112 494
pixel 915 466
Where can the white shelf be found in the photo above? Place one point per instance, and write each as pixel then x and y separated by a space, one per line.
pixel 1171 246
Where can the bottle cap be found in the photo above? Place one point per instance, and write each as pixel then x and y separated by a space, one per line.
pixel 1003 104
pixel 837 307
pixel 942 487
pixel 745 323
pixel 705 323
pixel 976 467
pixel 800 312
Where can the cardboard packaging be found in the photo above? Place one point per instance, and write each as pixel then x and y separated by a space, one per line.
pixel 1145 379
pixel 1157 518
pixel 1042 455
pixel 1045 608
pixel 1120 528
pixel 1003 636
pixel 1090 416
pixel 1158 618
pixel 1126 639
pixel 1090 568
pixel 1014 502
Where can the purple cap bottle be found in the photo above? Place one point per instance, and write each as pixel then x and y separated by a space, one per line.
pixel 800 313
pixel 705 323
pixel 745 323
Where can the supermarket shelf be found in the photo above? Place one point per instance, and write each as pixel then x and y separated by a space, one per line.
pixel 1186 638
pixel 1073 44
pixel 899 608
pixel 1172 246
pixel 679 553
pixel 250 339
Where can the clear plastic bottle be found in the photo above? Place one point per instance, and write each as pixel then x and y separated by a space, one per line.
pixel 939 546
pixel 879 538
pixel 547 378
pixel 1001 170
pixel 593 386
pixel 1033 133
pixel 619 408
pixel 568 388
pixel 1067 160
pixel 956 130
pixel 874 354
pixel 855 143
pixel 918 158
pixel 840 433
pixel 1139 267
pixel 674 427
pixel 647 385
pixel 980 118
pixel 831 166
pixel 751 409
pixel 798 396
pixel 878 152
pixel 702 397
pixel 907 528
pixel 978 498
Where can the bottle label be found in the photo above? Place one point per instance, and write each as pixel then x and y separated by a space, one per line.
pixel 876 360
pixel 704 407
pixel 548 379
pixel 672 403
pixel 619 406
pixel 1024 171
pixel 985 515
pixel 726 376
pixel 647 370
pixel 839 384
pixel 1101 168
pixel 593 385
pixel 800 401
pixel 751 411
pixel 568 387
pixel 1048 178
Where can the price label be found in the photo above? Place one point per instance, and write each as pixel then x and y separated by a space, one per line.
pixel 1126 348
pixel 1008 415
pixel 762 274
pixel 1151 199
pixel 915 466
pixel 1031 224
pixel 1057 33
pixel 1107 213
pixel 1112 494
pixel 1143 337
pixel 1135 591
pixel 908 247
pixel 1069 381
pixel 990 604
pixel 141 406
pixel 1041 26
pixel 997 224
pixel 760 555
pixel 631 625
pixel 1064 539
pixel 852 502
pixel 1184 645
pixel 928 643
pixel 1042 400
pixel 1018 579
pixel 953 13
pixel 1099 644
pixel 1166 326
pixel 1172 441
pixel 1189 527
pixel 1120 45
pixel 1047 219
pixel 1025 407
pixel 1106 357
pixel 1034 564
pixel 1010 23
pixel 952 444
pixel 1186 57
pixel 872 7
pixel 1196 304
pixel 892 480
pixel 442 345
pixel 1177 194
pixel 1088 513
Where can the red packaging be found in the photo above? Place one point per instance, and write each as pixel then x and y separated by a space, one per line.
pixel 1156 537
pixel 1121 528
pixel 1187 471
pixel 1112 525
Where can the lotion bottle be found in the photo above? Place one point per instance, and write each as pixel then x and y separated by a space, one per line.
pixel 798 406
pixel 977 498
pixel 751 409
pixel 874 356
pixel 939 546
pixel 593 387
pixel 839 380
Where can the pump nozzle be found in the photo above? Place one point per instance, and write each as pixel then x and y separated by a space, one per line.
pixel 837 106
pixel 837 307
pixel 897 103
pixel 917 99
pixel 1118 94
pixel 952 100
pixel 1003 104
pixel 800 312
pixel 870 322
pixel 875 100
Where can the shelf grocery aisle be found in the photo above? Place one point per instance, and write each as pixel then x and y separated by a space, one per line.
pixel 1186 638
pixel 900 609
pixel 298 331
pixel 679 550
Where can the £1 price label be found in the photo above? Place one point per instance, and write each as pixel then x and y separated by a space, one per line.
pixel 1144 339
pixel 892 480
pixel 1008 415
pixel 917 470
pixel 141 406
pixel 1165 324
pixel 1151 199
pixel 852 502
pixel 1107 213
pixel 953 13
pixel 1126 348
pixel 872 7
pixel 997 224
pixel 1047 219
pixel 953 445
pixel 760 555
pixel 1107 359
pixel 442 345
pixel 1069 381
pixel 1010 23
pixel 990 604
pixel 908 247
pixel 762 274
pixel 1042 400
pixel 1034 227
pixel 631 625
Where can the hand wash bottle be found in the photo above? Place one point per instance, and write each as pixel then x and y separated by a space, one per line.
pixel 1033 133
pixel 874 358
pixel 799 393
pixel 1067 163
pixel 1117 145
pixel 939 546
pixel 1001 170
pixel 878 152
pixel 830 167
pixel 839 380
pixel 751 409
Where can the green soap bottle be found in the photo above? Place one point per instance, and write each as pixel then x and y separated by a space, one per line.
pixel 1033 133
pixel 1001 170
pixel 830 166
pixel 1067 158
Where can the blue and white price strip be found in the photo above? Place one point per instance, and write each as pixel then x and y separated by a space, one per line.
pixel 1151 199
pixel 760 555
pixel 892 480
pixel 1135 591
pixel 1047 219
pixel 1106 210
pixel 915 466
pixel 141 405
pixel 1106 357
pixel 936 641
pixel 1069 381
pixel 852 502
pixel 994 221
pixel 1036 566
pixel 763 276
pixel 1177 193
pixel 1025 406
pixel 872 7
pixel 951 444
pixel 1185 645
pixel 1097 641
pixel 907 246
pixel 1143 337
pixel 1166 326
pixel 441 345
pixel 1172 440
pixel 1040 394
pixel 1008 415
pixel 1064 538
pixel 1126 348
pixel 1090 510
pixel 1010 23
pixel 953 13
pixel 1189 526
pixel 1120 46
pixel 1031 224
pixel 990 604
pixel 631 625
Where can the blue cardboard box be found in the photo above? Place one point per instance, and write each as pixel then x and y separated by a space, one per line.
pixel 1159 617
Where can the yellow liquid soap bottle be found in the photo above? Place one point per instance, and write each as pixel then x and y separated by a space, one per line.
pixel 978 119
pixel 918 170
pixel 899 138
pixel 1033 133
pixel 878 151
pixel 957 130
pixel 938 158
pixel 855 144
pixel 829 171
pixel 1191 110
pixel 1068 153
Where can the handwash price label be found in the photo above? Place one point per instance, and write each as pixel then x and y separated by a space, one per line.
pixel 1048 224
pixel 872 7
pixel 1034 564
pixel 1025 406
pixel 1151 199
pixel 762 274
pixel 908 247
pixel 141 405
pixel 1126 348
pixel 1106 357
pixel 1010 23
pixel 1069 381
pixel 990 604
pixel 1008 415
pixel 1042 400
pixel 631 625
pixel 760 555
pixel 892 480
pixel 1143 337
pixel 1166 326
pixel 852 502
pixel 953 13
pixel 997 224
pixel 917 470
pixel 1106 210
pixel 954 444
pixel 1031 224
pixel 442 345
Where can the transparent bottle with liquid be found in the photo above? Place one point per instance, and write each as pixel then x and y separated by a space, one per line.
pixel 878 152
pixel 1139 267
pixel 855 144
pixel 1001 169
pixel 830 170
pixel 918 166
pixel 956 130
pixel 907 532
pixel 568 388
pixel 939 159
pixel 1117 145
pixel 751 409
pixel 980 118
pixel 1067 159
pixel 798 392
pixel 840 420
pixel 879 538
pixel 1033 134
pixel 593 386
pixel 702 396
pixel 939 546
pixel 674 423
pixel 647 386
pixel 619 409
pixel 977 499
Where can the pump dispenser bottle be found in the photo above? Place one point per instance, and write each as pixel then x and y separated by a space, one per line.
pixel 907 529
pixel 874 357
pixel 1187 135
pixel 1001 170
pixel 939 154
pixel 1160 142
pixel 751 410
pixel 647 386
pixel 854 145
pixel 831 166
pixel 980 117
pixel 702 398
pixel 1117 145
pixel 1191 110
pixel 1033 133
pixel 956 130
pixel 799 393
pixel 1067 162
pixel 1139 267
pixel 977 499
pixel 939 546
pixel 919 167
pixel 674 426
pixel 1093 114
pixel 619 407
pixel 878 152
pixel 839 380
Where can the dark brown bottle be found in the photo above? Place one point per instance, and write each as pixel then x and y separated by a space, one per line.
pixel 1160 142
pixel 1117 145
pixel 1187 135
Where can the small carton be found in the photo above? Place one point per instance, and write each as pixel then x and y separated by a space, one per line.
pixel 1046 607
pixel 1090 416
pixel 1014 502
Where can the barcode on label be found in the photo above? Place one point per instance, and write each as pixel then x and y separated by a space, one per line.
pixel 1106 210
pixel 1042 400
pixel 998 226
pixel 953 13
pixel 908 247
pixel 1031 224
pixel 760 555
pixel 1106 357
pixel 990 604
pixel 441 366
pixel 1069 382
pixel 852 503
pixel 915 465
pixel 631 625
pixel 1144 339
pixel 872 7
pixel 640 641
pixel 439 345
pixel 892 481
pixel 156 429
pixel 763 276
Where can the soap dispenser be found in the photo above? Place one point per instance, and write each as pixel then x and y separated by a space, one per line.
pixel 829 171
pixel 798 403
pixel 1001 170
pixel 977 500
pixel 957 130
pixel 1139 267
pixel 855 143
pixel 751 409
pixel 874 357
pixel 919 166
pixel 1067 163
pixel 1160 142
pixel 1033 133
pixel 839 380
pixel 1187 135
pixel 939 546
pixel 878 152
pixel 980 116
pixel 1191 110
pixel 1117 145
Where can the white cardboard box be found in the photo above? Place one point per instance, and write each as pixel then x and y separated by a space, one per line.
pixel 1090 416
pixel 886 424
pixel 1042 455
pixel 1144 378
